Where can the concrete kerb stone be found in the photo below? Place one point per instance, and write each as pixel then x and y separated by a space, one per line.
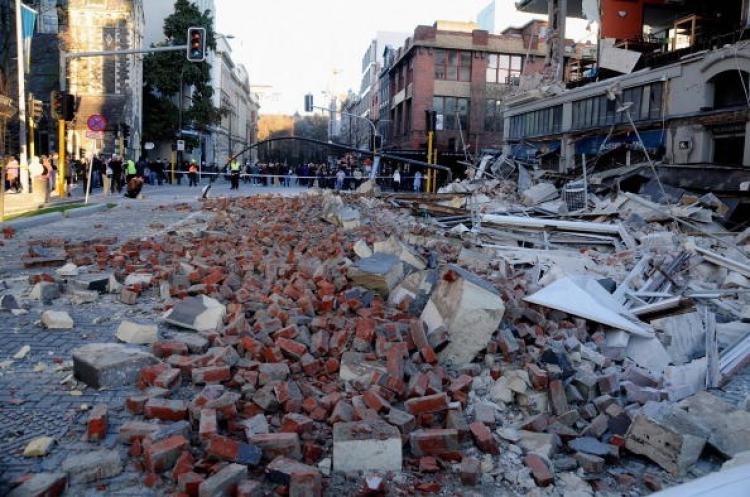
pixel 42 219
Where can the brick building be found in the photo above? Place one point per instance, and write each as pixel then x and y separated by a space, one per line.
pixel 463 73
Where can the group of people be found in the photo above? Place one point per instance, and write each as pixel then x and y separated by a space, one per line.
pixel 18 179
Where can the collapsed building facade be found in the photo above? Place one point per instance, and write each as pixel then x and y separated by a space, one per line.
pixel 670 86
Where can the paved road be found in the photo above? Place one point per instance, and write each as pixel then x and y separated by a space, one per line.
pixel 33 402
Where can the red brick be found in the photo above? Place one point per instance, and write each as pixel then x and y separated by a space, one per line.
pixel 166 349
pixel 228 449
pixel 162 455
pixel 167 378
pixel 183 465
pixel 471 471
pixel 375 402
pixel 208 424
pixel 189 483
pixel 483 438
pixel 365 329
pixel 292 348
pixel 434 442
pixel 211 374
pixel 427 404
pixel 301 480
pixel 166 410
pixel 539 470
pixel 539 378
pixel 96 426
pixel 296 423
pixel 136 403
pixel 278 444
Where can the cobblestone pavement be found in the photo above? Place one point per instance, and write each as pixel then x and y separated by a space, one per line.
pixel 33 399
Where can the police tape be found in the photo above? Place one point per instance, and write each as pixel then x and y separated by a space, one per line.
pixel 283 176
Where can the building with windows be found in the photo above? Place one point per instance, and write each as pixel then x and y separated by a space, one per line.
pixel 676 72
pixel 464 74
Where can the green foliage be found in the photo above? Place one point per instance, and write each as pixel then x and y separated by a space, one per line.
pixel 163 71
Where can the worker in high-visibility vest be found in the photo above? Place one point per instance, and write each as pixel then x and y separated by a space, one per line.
pixel 130 171
pixel 234 169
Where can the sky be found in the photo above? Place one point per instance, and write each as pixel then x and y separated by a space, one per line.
pixel 294 46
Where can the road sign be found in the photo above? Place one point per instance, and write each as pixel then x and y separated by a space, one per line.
pixel 97 122
pixel 181 145
pixel 95 135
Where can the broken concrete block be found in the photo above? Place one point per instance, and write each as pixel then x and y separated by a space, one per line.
pixel 67 271
pixel 41 485
pixel 45 291
pixel 348 218
pixel 106 365
pixel 366 445
pixel 79 297
pixel 379 272
pixel 137 333
pixel 667 435
pixel 354 367
pixel 687 336
pixel 649 353
pixel 92 466
pixel 542 444
pixel 57 320
pixel 685 380
pixel 199 313
pixel 142 279
pixel 469 308
pixel 417 286
pixel 396 247
pixel 8 302
pixel 729 427
pixel 38 447
pixel 99 282
pixel 362 250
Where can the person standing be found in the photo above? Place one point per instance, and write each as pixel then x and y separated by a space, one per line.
pixel 417 182
pixel 107 179
pixel 130 171
pixel 193 174
pixel 116 165
pixel 12 177
pixel 340 176
pixel 234 171
pixel 396 180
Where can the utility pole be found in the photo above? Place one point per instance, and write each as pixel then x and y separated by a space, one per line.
pixel 24 161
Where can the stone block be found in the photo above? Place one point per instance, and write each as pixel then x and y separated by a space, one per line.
pixel 92 466
pixel 200 313
pixel 366 445
pixel 136 333
pixel 469 308
pixel 57 320
pixel 379 272
pixel 108 365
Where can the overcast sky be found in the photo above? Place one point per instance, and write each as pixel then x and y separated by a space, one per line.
pixel 294 46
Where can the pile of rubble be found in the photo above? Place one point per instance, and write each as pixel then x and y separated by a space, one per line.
pixel 323 345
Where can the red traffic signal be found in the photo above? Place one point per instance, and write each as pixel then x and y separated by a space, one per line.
pixel 196 50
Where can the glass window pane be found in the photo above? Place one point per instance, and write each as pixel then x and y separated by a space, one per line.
pixel 452 72
pixel 502 76
pixel 450 105
pixel 492 61
pixel 464 74
pixel 437 104
pixel 491 75
pixel 462 105
pixel 515 63
pixel 466 59
pixel 505 61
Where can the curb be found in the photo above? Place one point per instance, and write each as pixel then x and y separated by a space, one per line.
pixel 42 219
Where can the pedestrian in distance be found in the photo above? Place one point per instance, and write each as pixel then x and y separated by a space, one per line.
pixel 234 171
pixel 396 180
pixel 193 174
pixel 130 171
pixel 417 182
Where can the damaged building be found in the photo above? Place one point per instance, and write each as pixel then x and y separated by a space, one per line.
pixel 670 90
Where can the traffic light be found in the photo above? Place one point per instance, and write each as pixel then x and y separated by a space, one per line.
pixel 196 51
pixel 430 120
pixel 56 104
pixel 308 102
pixel 37 109
pixel 68 107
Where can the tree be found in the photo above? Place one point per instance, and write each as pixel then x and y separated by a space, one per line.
pixel 164 71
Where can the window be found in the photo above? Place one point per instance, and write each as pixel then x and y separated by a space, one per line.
pixel 536 123
pixel 729 89
pixel 503 68
pixel 454 112
pixel 452 65
pixel 493 116
pixel 645 104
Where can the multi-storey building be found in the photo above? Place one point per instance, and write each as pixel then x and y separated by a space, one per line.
pixel 672 79
pixel 462 73
pixel 112 85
